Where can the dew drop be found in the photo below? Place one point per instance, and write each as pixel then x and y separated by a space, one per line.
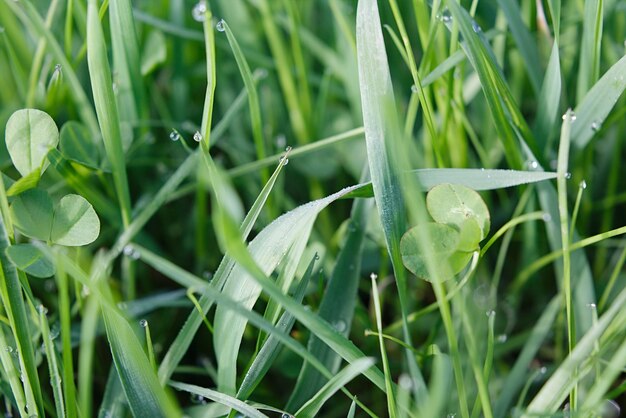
pixel 532 164
pixel 128 250
pixel 42 310
pixel 543 370
pixel 595 126
pixel 143 323
pixel 260 73
pixel 502 338
pixel 405 382
pixel 57 67
pixel 174 136
pixel 55 330
pixel 22 377
pixel 280 141
pixel 284 160
pixel 476 27
pixel 199 11
pixel 414 89
pixel 340 325
pixel 220 26
pixel 9 349
pixel 373 276
pixel 197 136
pixel 568 175
pixel 591 306
pixel 286 416
pixel 583 184
pixel 288 148
pixel 317 256
pixel 198 399
pixel 491 313
pixel 451 415
pixel 546 217
pixel 207 275
pixel 445 16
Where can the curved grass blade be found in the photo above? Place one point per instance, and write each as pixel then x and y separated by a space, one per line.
pixel 597 103
pixel 146 397
pixel 267 354
pixel 549 99
pixel 556 389
pixel 186 334
pixel 336 307
pixel 312 407
pixel 222 398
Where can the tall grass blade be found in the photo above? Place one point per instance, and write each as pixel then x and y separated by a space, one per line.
pixel 590 43
pixel 106 108
pixel 549 99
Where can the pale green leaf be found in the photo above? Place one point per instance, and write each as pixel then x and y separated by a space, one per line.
pixel 77 144
pixel 75 222
pixel 453 205
pixel 30 134
pixel 32 214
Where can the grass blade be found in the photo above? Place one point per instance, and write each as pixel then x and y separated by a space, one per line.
pixel 590 43
pixel 312 407
pixel 597 103
pixel 106 108
pixel 336 307
pixel 222 398
pixel 549 99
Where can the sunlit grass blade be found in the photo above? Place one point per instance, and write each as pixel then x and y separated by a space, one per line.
pixel 53 366
pixel 556 389
pixel 380 120
pixel 270 349
pixel 186 334
pixel 593 109
pixel 312 407
pixel 222 398
pixel 106 108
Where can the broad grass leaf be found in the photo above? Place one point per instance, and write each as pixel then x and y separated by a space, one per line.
pixel 29 259
pixel 30 134
pixel 453 205
pixel 32 214
pixel 75 222
pixel 78 145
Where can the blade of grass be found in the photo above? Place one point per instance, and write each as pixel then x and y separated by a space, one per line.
pixel 593 109
pixel 549 99
pixel 312 407
pixel 377 103
pixel 186 334
pixel 337 305
pixel 16 309
pixel 222 398
pixel 53 366
pixel 106 108
pixel 590 43
pixel 69 388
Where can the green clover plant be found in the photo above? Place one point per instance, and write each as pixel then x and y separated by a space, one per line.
pixel 461 221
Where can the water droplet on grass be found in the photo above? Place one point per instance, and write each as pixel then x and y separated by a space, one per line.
pixel 340 325
pixel 143 323
pixel 568 175
pixel 42 309
pixel 57 67
pixel 546 217
pixel 197 136
pixel 502 338
pixel 414 89
pixel 595 126
pixel 591 306
pixel 543 370
pixel 199 11
pixel 286 416
pixel 491 313
pixel 532 164
pixel 198 399
pixel 220 26
pixel 583 184
pixel 476 27
pixel 174 136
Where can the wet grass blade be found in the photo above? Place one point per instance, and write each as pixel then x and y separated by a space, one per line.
pixel 592 111
pixel 222 398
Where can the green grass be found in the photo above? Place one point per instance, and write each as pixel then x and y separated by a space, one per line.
pixel 218 208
